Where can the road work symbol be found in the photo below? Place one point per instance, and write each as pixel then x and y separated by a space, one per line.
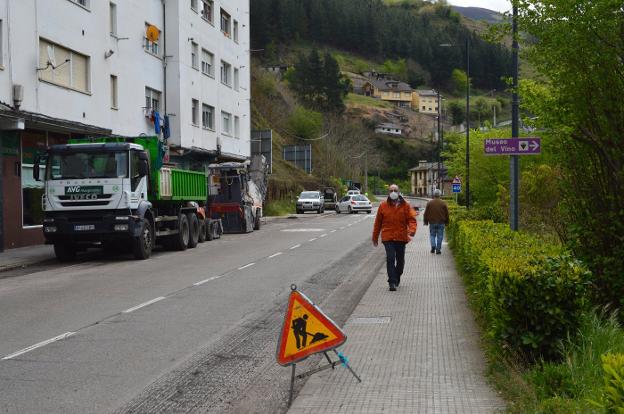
pixel 306 331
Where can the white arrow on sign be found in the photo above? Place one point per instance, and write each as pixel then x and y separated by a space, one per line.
pixel 534 145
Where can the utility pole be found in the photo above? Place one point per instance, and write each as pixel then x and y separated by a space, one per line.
pixel 468 122
pixel 366 173
pixel 514 162
pixel 440 186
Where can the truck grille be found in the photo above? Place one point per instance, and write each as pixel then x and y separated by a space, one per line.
pixel 84 203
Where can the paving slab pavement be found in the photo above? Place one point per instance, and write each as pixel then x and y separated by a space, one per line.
pixel 25 256
pixel 416 350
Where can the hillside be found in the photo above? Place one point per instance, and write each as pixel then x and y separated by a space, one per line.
pixel 478 13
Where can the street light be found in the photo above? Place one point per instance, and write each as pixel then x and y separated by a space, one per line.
pixel 467 117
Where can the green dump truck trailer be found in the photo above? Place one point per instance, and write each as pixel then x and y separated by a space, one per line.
pixel 117 192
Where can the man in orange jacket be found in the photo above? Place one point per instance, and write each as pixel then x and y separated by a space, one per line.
pixel 396 221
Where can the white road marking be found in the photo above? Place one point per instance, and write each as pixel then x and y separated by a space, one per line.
pixel 350 224
pixel 342 228
pixel 333 231
pixel 246 266
pixel 302 230
pixel 275 255
pixel 39 345
pixel 311 240
pixel 142 305
pixel 323 235
pixel 201 282
pixel 295 246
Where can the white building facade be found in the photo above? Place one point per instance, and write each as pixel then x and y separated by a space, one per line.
pixel 75 68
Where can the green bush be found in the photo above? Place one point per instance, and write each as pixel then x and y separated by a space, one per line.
pixel 531 294
pixel 613 366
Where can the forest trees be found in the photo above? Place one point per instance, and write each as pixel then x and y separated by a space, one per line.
pixel 318 82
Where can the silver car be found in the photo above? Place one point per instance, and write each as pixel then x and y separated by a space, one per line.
pixel 310 201
pixel 354 204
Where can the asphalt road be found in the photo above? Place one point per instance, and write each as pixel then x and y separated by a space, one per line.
pixel 191 331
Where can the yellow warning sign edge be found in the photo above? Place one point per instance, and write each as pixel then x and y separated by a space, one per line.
pixel 340 339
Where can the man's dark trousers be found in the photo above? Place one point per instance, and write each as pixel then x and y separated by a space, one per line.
pixel 395 260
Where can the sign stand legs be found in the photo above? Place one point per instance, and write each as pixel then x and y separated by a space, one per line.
pixel 292 385
pixel 346 364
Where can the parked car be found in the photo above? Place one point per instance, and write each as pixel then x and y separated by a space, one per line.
pixel 310 201
pixel 353 204
pixel 330 198
pixel 353 192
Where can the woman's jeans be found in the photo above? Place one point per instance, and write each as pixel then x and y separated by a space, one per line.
pixel 436 233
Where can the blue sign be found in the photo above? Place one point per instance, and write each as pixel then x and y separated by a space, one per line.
pixel 457 187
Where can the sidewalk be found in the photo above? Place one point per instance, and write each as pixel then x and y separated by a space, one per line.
pixel 25 256
pixel 420 353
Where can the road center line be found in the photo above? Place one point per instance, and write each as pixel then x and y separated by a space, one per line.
pixel 311 240
pixel 295 246
pixel 342 228
pixel 39 345
pixel 201 282
pixel 323 235
pixel 275 255
pixel 333 231
pixel 142 305
pixel 246 266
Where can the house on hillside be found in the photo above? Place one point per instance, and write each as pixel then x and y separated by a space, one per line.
pixel 362 87
pixel 425 101
pixel 389 129
pixel 278 69
pixel 397 92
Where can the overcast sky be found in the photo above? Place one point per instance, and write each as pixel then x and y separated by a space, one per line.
pixel 497 5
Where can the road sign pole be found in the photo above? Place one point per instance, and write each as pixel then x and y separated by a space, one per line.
pixel 514 165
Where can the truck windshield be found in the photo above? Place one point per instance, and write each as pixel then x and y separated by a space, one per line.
pixel 65 166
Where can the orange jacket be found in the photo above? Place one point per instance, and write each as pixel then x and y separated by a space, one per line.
pixel 394 222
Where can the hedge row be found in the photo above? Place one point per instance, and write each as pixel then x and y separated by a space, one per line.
pixel 531 294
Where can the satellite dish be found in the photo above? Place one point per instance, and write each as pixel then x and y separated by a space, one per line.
pixel 152 33
pixel 51 59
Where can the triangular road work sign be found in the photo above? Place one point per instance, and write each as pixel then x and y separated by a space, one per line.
pixel 306 331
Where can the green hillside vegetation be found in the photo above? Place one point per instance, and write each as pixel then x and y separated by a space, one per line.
pixel 367 101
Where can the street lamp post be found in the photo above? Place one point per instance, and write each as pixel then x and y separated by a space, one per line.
pixel 467 117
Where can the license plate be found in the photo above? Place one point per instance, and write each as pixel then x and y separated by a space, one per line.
pixel 84 227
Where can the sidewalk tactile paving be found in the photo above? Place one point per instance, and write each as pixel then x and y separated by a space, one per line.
pixel 427 359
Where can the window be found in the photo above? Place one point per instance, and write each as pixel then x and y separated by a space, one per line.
pixel 63 67
pixel 396 95
pixel 226 124
pixel 83 3
pixel 235 31
pixel 194 5
pixel 194 56
pixel 207 63
pixel 208 116
pixel 112 18
pixel 235 79
pixel 225 23
pixel 151 47
pixel 1 43
pixel 152 99
pixel 236 127
pixel 114 93
pixel 206 11
pixel 423 107
pixel 226 69
pixel 195 112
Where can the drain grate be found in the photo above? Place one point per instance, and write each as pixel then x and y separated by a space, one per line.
pixel 376 320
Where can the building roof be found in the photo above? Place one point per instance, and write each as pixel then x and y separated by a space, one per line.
pixel 426 92
pixel 388 125
pixel 391 85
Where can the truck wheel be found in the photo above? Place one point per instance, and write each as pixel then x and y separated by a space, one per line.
pixel 181 240
pixel 257 223
pixel 203 224
pixel 193 230
pixel 65 252
pixel 210 231
pixel 142 245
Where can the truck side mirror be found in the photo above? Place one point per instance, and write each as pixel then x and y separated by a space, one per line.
pixel 36 174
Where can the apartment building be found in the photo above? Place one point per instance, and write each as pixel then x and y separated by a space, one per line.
pixel 74 68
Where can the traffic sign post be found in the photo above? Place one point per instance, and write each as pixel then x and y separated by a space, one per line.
pixel 513 146
pixel 307 330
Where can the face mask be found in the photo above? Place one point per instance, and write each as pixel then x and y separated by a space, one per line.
pixel 394 195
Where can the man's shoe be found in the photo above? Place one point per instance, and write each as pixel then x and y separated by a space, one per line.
pixel 438 252
pixel 398 283
pixel 392 287
pixel 433 250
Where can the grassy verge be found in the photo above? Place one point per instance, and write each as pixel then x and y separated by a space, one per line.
pixel 361 100
pixel 279 208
